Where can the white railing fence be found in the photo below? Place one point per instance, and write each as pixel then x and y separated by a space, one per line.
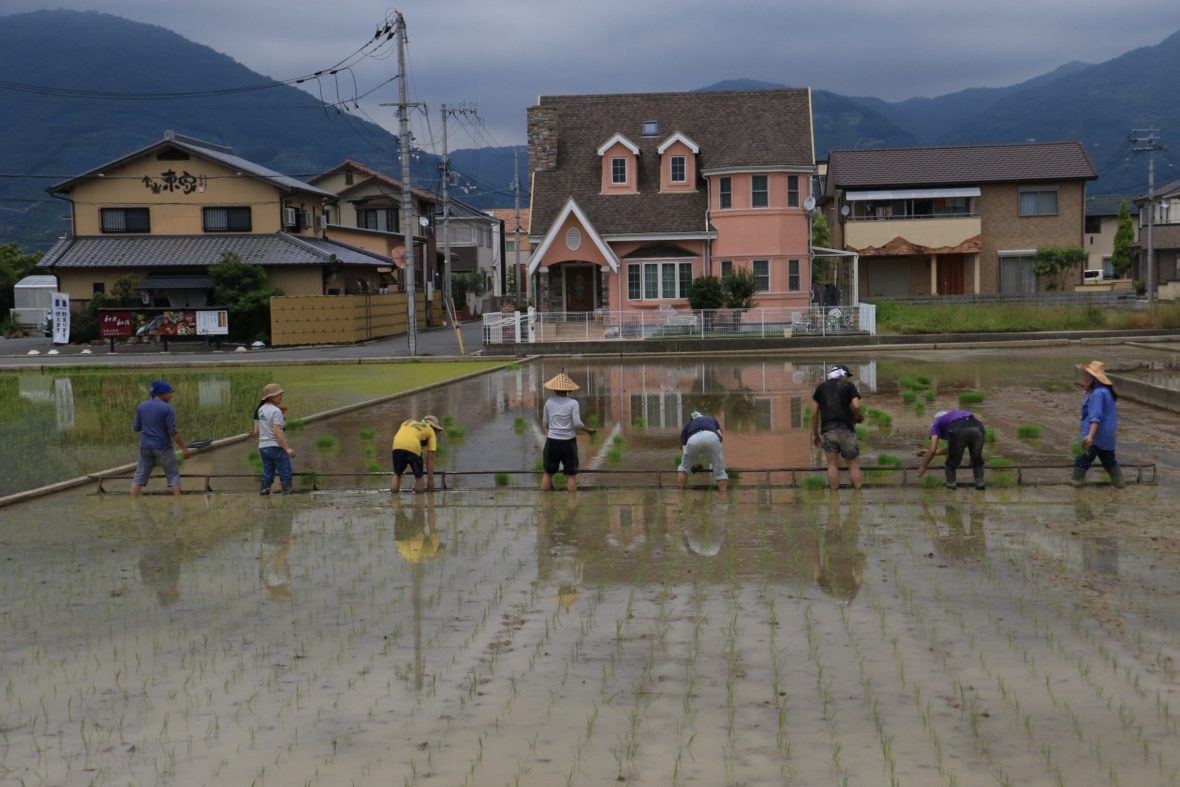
pixel 533 326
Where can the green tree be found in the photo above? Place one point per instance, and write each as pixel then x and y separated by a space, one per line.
pixel 14 266
pixel 1124 238
pixel 243 291
pixel 705 292
pixel 1052 262
pixel 739 287
pixel 463 283
pixel 822 268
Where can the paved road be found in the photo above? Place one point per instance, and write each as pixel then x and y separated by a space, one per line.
pixel 435 341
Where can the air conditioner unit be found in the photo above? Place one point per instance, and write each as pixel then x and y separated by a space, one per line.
pixel 321 222
pixel 289 219
pixel 1093 274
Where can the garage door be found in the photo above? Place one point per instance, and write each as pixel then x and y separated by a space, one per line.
pixel 887 277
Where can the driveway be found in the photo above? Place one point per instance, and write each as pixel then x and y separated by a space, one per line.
pixel 432 342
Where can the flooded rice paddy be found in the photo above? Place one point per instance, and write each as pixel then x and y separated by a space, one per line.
pixel 625 634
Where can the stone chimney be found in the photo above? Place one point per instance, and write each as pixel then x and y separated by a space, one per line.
pixel 542 138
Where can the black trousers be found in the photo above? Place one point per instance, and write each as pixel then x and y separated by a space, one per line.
pixel 965 434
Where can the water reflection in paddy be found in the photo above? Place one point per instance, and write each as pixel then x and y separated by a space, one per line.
pixel 658 636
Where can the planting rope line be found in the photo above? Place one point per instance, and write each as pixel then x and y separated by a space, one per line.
pixel 781 477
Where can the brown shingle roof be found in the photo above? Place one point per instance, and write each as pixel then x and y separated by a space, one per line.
pixel 966 165
pixel 763 128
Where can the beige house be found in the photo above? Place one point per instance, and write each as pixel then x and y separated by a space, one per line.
pixel 956 220
pixel 366 212
pixel 165 213
pixel 1101 224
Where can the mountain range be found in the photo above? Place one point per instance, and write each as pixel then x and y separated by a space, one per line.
pixel 50 137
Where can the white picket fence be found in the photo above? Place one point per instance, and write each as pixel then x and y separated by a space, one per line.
pixel 533 326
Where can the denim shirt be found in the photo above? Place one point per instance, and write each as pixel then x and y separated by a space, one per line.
pixel 1099 408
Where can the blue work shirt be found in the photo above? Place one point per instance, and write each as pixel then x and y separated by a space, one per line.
pixel 155 420
pixel 1099 408
pixel 706 423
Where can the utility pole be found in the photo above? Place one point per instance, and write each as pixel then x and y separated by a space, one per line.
pixel 407 211
pixel 1144 140
pixel 445 166
pixel 516 208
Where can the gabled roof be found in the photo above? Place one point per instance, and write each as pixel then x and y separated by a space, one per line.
pixel 163 251
pixel 968 164
pixel 571 207
pixel 733 129
pixel 1170 189
pixel 203 149
pixel 463 211
pixel 348 165
pixel 618 139
pixel 678 137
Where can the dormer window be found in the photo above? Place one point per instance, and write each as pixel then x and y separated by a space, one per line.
pixel 679 169
pixel 651 128
pixel 618 170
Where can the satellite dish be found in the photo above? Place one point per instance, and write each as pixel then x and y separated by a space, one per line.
pixel 845 210
pixel 809 203
pixel 423 221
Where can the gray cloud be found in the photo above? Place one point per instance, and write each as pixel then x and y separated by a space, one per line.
pixel 501 56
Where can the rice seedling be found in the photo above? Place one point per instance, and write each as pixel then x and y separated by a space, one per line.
pixel 1028 431
pixel 907 382
pixel 989 435
pixel 734 475
pixel 614 456
pixel 368 434
pixel 970 397
pixel 813 483
pixel 909 397
pixel 1077 449
pixel 928 394
pixel 862 432
pixel 639 422
pixel 618 440
pixel 253 456
pixel 919 409
pixel 512 367
pixel 501 479
pixel 593 421
pixel 370 452
pixel 558 479
pixel 448 420
pixel 923 380
pixel 519 425
pixel 930 481
pixel 889 460
pixel 454 432
pixel 372 466
pixel 326 441
pixel 539 466
pixel 294 425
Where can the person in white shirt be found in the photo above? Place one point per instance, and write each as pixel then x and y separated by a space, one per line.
pixel 269 421
pixel 562 420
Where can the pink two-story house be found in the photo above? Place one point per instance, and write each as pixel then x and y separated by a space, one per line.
pixel 636 195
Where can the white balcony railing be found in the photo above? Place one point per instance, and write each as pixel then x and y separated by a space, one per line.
pixel 545 327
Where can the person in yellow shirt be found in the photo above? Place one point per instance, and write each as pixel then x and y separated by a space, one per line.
pixel 413 447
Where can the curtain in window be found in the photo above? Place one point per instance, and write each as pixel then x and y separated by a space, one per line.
pixel 216 219
pixel 114 221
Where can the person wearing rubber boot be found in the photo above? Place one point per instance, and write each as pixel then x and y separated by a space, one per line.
pixel 1100 421
pixel 962 432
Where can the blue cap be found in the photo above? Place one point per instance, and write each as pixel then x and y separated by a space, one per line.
pixel 160 387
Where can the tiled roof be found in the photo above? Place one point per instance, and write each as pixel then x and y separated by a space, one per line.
pixel 508 216
pixel 1166 190
pixel 763 128
pixel 974 164
pixel 207 150
pixel 357 167
pixel 1108 205
pixel 162 251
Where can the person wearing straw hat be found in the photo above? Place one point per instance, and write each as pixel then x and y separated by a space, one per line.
pixel 269 423
pixel 962 432
pixel 155 420
pixel 562 420
pixel 1100 421
pixel 835 411
pixel 700 445
pixel 414 446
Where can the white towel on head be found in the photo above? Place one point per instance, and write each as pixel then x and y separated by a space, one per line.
pixel 836 374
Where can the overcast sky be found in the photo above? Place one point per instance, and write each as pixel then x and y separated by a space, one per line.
pixel 500 56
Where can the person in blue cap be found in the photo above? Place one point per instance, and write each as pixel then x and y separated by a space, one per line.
pixel 700 445
pixel 155 420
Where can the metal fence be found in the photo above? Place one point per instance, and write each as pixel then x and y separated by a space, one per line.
pixel 544 327
pixel 1113 299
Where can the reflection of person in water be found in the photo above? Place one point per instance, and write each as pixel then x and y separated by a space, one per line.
pixel 956 541
pixel 558 539
pixel 273 567
pixel 704 535
pixel 841 567
pixel 415 534
pixel 159 564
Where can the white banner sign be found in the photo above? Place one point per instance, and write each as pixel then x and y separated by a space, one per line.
pixel 212 323
pixel 60 313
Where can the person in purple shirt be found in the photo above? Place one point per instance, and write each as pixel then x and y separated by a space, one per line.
pixel 962 432
pixel 1100 421
pixel 155 420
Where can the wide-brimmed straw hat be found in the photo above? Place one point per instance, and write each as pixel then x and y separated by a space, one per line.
pixel 433 423
pixel 271 389
pixel 561 382
pixel 1097 370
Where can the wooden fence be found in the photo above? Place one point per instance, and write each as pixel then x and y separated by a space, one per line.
pixel 346 319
